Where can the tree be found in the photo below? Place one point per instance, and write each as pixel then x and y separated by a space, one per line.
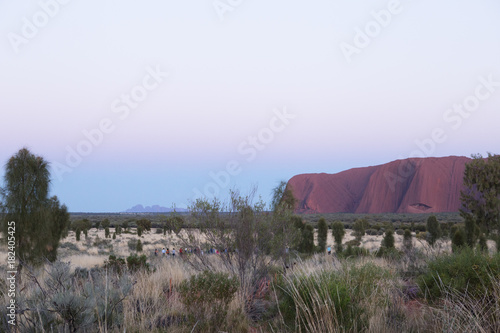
pixel 144 224
pixel 338 232
pixel 481 195
pixel 359 228
pixel 307 240
pixel 97 224
pixel 458 239
pixel 106 232
pixel 407 240
pixel 433 230
pixel 105 223
pixel 388 241
pixel 322 234
pixel 40 222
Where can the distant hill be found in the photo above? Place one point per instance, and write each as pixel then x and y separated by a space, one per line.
pixel 415 185
pixel 153 209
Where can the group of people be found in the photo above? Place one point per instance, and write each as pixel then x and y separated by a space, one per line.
pixel 181 251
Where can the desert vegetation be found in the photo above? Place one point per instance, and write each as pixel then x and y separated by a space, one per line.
pixel 240 266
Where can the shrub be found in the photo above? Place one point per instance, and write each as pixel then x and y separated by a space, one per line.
pixel 322 234
pixel 407 240
pixel 115 264
pixel 77 234
pixel 321 298
pixel 207 297
pixel 467 272
pixel 106 232
pixel 433 230
pixel 132 244
pixel 139 231
pixel 388 241
pixel 371 232
pixel 338 233
pixel 138 247
pixel 400 232
pixel 354 251
pixel 105 223
pixel 144 224
pixel 135 263
pixel 458 239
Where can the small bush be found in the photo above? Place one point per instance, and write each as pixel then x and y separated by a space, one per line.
pixel 354 251
pixel 135 263
pixel 115 264
pixel 320 298
pixel 466 272
pixel 132 244
pixel 207 297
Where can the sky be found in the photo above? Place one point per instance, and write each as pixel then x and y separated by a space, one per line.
pixel 163 102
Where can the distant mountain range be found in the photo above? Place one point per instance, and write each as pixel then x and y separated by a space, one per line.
pixel 153 209
pixel 414 185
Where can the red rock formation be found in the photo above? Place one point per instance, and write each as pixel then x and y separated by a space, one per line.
pixel 416 185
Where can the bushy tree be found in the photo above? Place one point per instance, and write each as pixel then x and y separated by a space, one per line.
pixel 458 240
pixel 322 234
pixel 338 232
pixel 388 241
pixel 105 223
pixel 144 224
pixel 139 231
pixel 106 232
pixel 40 222
pixel 359 228
pixel 433 230
pixel 407 240
pixel 307 241
pixel 481 195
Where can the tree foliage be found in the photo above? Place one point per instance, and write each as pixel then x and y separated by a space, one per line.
pixel 433 230
pixel 40 221
pixel 359 228
pixel 338 232
pixel 322 234
pixel 481 195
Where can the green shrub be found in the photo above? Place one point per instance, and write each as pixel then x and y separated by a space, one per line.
pixel 317 298
pixel 132 244
pixel 135 263
pixel 467 272
pixel 138 247
pixel 106 232
pixel 207 297
pixel 354 251
pixel 115 264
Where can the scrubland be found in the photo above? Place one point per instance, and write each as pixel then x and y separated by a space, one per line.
pixel 422 289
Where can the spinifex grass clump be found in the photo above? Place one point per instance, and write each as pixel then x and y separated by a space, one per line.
pixel 330 300
pixel 207 297
pixel 468 272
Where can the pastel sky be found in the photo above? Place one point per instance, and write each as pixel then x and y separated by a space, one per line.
pixel 162 101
